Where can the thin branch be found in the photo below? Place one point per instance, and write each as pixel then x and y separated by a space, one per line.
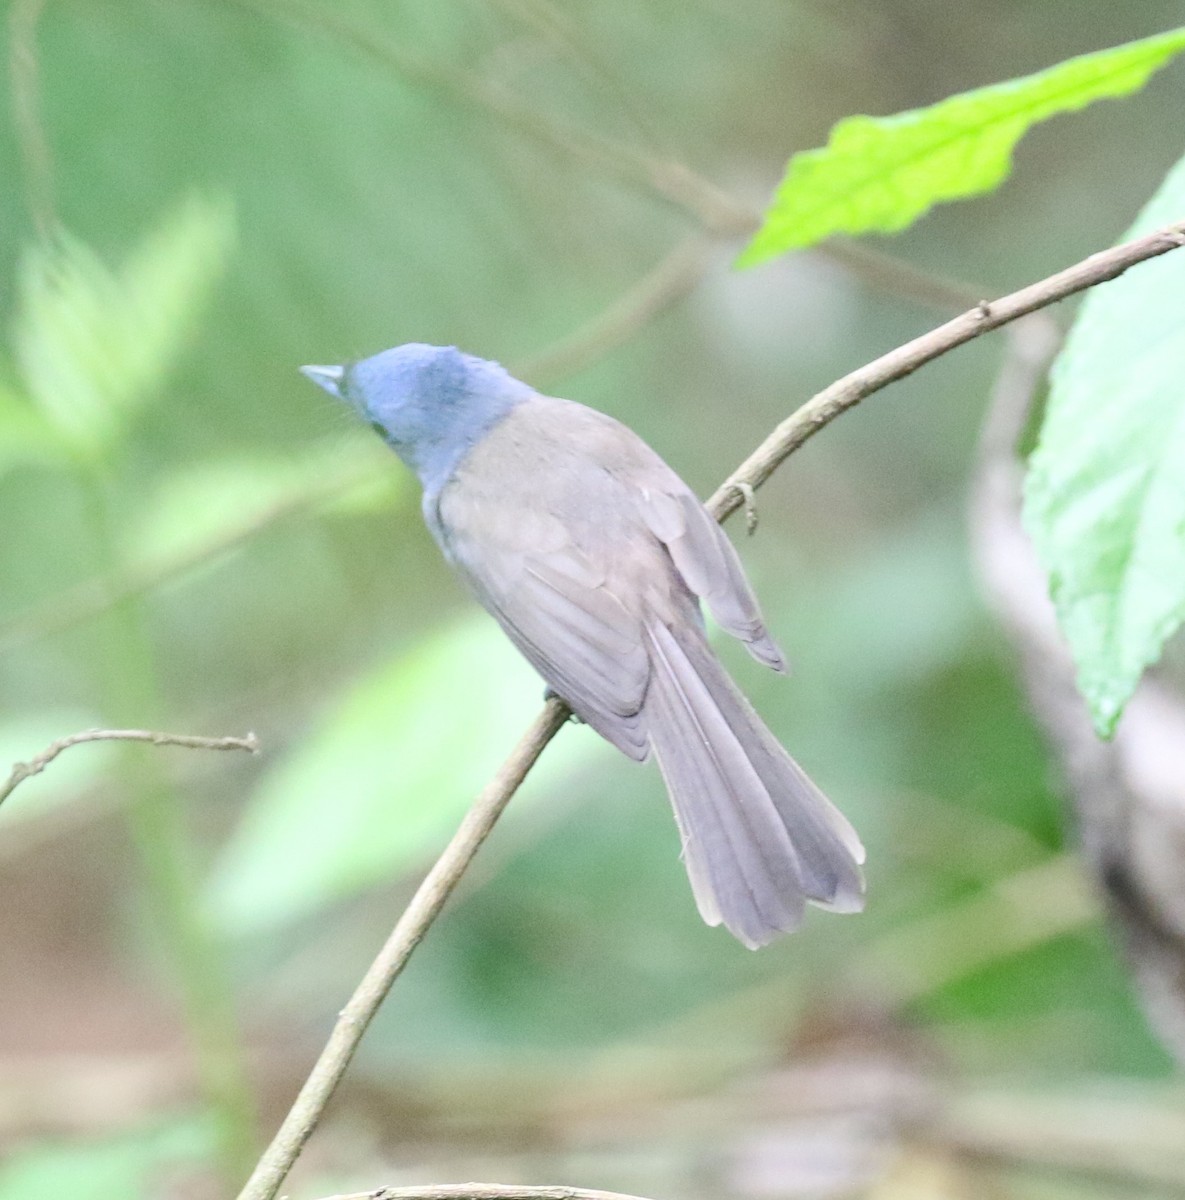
pixel 429 899
pixel 847 392
pixel 672 280
pixel 485 1191
pixel 94 596
pixel 36 159
pixel 26 770
pixel 425 905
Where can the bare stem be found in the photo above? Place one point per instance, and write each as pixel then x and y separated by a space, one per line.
pixel 484 1191
pixel 847 392
pixel 792 433
pixel 26 770
pixel 425 905
pixel 36 159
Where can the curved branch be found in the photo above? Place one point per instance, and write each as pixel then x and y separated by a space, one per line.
pixel 26 770
pixel 792 433
pixel 847 392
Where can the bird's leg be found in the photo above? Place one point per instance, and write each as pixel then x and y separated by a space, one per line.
pixel 549 693
pixel 745 490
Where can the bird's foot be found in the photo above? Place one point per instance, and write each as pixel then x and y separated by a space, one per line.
pixel 749 499
pixel 549 694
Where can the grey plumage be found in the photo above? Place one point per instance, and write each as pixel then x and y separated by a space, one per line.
pixel 593 555
pixel 590 552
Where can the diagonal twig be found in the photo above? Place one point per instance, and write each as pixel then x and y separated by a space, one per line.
pixel 792 433
pixel 847 392
pixel 429 899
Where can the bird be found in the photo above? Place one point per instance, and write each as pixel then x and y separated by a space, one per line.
pixel 594 557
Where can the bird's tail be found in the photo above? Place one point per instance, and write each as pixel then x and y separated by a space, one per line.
pixel 759 839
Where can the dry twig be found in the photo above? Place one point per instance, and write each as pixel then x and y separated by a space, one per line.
pixel 847 392
pixel 429 899
pixel 26 770
pixel 484 1191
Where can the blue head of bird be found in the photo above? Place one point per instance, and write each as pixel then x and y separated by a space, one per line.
pixel 430 404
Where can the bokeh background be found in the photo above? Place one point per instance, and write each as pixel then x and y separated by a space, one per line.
pixel 525 179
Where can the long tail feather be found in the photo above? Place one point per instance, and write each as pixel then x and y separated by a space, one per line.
pixel 760 840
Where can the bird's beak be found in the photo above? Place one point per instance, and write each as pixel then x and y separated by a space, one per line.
pixel 329 378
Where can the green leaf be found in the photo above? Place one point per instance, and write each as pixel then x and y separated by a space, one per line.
pixel 881 173
pixel 93 345
pixel 383 782
pixel 1105 497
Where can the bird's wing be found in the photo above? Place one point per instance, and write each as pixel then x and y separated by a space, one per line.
pixel 574 534
pixel 706 560
pixel 556 601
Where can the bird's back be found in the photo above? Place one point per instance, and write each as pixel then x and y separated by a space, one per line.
pixel 591 553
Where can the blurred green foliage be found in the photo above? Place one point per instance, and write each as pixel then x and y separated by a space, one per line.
pixel 133 1164
pixel 418 172
pixel 92 345
pixel 415 728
